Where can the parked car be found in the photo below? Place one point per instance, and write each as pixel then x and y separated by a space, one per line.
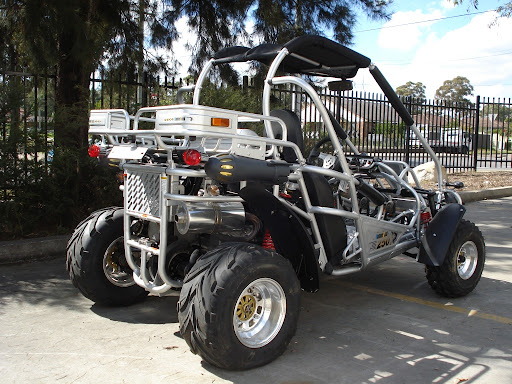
pixel 455 140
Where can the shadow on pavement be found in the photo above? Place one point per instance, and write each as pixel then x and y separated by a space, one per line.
pixel 39 283
pixel 153 310
pixel 355 337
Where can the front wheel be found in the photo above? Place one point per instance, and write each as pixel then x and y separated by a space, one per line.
pixel 463 265
pixel 239 306
pixel 96 261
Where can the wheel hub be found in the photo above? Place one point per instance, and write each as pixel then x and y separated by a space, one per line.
pixel 467 259
pixel 259 313
pixel 246 307
pixel 113 266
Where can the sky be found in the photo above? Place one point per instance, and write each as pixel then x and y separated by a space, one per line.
pixel 451 41
pixel 440 42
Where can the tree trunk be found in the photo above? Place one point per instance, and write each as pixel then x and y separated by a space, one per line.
pixel 71 96
pixel 71 128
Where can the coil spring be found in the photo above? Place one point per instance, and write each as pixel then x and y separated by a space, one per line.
pixel 268 243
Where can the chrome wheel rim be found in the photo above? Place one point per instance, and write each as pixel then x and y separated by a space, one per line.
pixel 467 259
pixel 259 313
pixel 111 267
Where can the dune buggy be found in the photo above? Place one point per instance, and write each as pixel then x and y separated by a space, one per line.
pixel 226 207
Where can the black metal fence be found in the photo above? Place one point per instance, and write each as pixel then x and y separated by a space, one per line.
pixel 114 91
pixel 465 136
pixel 27 109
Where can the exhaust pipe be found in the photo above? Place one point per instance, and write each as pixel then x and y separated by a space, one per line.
pixel 219 218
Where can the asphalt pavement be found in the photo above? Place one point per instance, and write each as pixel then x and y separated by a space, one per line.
pixel 383 325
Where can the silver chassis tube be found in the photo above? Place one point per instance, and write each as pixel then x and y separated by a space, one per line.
pixel 168 199
pixel 181 91
pixel 267 89
pixel 430 151
pixel 419 200
pixel 339 153
pixel 200 80
pixel 140 274
pixel 406 171
pixel 189 132
pixel 271 80
pixel 266 108
pixel 365 259
pixel 440 182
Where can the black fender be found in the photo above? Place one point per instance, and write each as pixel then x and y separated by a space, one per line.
pixel 439 234
pixel 289 234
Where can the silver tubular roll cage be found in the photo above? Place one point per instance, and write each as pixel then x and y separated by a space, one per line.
pixel 346 175
pixel 168 178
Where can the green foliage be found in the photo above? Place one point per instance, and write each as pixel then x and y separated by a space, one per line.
pixel 74 37
pixel 390 129
pixel 414 95
pixel 54 204
pixel 410 89
pixel 504 10
pixel 455 91
pixel 280 21
pixel 231 97
pixel 501 112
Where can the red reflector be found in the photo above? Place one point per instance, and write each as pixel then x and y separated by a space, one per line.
pixel 191 157
pixel 94 150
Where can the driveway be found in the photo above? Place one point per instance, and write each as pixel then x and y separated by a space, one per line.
pixel 384 325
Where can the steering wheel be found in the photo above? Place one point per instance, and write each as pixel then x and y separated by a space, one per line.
pixel 328 161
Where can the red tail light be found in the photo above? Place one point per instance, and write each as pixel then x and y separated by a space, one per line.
pixel 191 157
pixel 94 150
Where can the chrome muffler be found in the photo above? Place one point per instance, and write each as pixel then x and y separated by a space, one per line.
pixel 219 218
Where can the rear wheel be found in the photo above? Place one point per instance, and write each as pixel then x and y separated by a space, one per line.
pixel 239 306
pixel 96 261
pixel 463 265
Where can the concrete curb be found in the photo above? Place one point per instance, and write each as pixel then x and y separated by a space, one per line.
pixel 20 251
pixel 485 194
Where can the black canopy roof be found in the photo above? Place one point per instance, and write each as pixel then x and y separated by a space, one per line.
pixel 309 54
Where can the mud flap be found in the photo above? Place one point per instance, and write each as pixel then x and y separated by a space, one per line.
pixel 439 234
pixel 290 236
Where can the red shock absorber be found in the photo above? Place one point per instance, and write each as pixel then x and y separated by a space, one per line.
pixel 268 243
pixel 425 218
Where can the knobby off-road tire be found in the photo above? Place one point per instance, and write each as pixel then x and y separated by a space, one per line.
pixel 239 306
pixel 96 263
pixel 463 265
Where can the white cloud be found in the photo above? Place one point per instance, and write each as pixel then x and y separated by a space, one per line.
pixel 481 53
pixel 447 4
pixel 476 51
pixel 179 52
pixel 182 47
pixel 397 36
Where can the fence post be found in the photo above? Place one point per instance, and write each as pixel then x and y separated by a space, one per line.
pixel 477 128
pixel 145 86
pixel 93 91
pixel 408 133
pixel 338 106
